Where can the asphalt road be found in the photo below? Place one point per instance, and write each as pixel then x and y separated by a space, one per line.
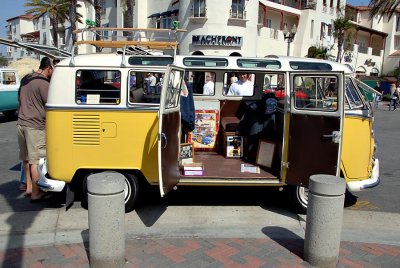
pixel 384 198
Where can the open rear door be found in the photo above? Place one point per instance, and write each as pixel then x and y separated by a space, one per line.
pixel 169 129
pixel 315 126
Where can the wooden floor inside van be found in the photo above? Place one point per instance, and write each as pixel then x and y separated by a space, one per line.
pixel 217 166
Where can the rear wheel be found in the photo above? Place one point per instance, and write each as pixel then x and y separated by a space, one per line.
pixel 298 196
pixel 131 191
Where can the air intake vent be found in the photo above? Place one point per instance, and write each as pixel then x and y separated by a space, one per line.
pixel 86 129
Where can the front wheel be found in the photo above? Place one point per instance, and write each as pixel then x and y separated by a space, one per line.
pixel 131 191
pixel 298 196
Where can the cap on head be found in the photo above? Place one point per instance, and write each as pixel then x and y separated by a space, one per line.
pixel 45 62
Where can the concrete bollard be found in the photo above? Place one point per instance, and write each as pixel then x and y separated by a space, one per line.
pixel 324 220
pixel 106 210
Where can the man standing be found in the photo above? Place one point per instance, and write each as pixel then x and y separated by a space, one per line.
pixel 153 82
pixel 378 97
pixel 31 125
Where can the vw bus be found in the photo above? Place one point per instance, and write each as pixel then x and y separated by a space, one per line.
pixel 9 85
pixel 104 114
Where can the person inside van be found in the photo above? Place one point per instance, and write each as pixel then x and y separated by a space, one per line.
pixel 208 88
pixel 258 122
pixel 242 87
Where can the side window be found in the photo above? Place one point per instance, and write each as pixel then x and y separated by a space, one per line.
pixel 145 87
pixel 239 84
pixel 202 83
pixel 352 97
pixel 98 87
pixel 316 93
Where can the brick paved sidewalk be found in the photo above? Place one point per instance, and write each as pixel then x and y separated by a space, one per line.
pixel 199 252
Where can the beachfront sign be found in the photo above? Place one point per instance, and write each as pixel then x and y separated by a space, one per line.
pixel 217 40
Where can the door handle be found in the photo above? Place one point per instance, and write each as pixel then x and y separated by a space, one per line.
pixel 163 137
pixel 334 137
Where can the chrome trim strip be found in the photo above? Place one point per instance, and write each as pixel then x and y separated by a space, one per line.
pixel 94 108
pixel 202 181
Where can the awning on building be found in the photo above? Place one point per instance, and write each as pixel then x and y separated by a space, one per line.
pixel 154 15
pixel 395 54
pixel 166 14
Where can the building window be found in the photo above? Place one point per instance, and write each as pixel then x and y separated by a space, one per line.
pixel 166 22
pixel 398 24
pixel 312 29
pixel 199 8
pixel 44 39
pixel 268 23
pixel 237 9
pixel 397 42
pixel 338 5
pixel 44 18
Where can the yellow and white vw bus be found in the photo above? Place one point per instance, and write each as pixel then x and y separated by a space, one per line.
pixel 120 112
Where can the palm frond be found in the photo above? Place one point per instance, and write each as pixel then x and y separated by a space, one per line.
pixel 382 7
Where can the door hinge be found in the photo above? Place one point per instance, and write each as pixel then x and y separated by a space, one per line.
pixel 285 164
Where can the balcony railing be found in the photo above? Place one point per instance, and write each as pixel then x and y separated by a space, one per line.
pixel 273 33
pixel 363 50
pixel 199 12
pixel 238 14
pixel 376 52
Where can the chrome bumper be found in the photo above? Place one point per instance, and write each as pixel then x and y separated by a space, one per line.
pixel 368 183
pixel 46 184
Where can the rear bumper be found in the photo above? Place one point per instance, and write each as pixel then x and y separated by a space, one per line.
pixel 46 184
pixel 368 183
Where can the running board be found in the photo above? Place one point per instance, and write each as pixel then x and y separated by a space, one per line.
pixel 229 181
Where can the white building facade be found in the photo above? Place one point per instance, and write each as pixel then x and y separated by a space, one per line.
pixel 248 28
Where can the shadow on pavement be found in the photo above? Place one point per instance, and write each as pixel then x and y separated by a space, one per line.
pixel 20 223
pixel 286 238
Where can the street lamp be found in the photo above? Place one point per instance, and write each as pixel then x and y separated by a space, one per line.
pixel 289 36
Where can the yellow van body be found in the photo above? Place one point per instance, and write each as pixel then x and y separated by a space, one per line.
pixel 86 136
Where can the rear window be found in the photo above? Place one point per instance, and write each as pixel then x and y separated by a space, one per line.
pixel 98 87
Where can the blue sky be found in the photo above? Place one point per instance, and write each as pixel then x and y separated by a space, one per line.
pixel 13 8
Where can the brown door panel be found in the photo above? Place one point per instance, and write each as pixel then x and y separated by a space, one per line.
pixel 170 150
pixel 309 153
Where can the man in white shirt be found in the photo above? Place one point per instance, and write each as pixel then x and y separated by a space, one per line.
pixel 152 82
pixel 208 88
pixel 242 87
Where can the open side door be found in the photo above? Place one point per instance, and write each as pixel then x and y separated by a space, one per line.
pixel 169 129
pixel 315 126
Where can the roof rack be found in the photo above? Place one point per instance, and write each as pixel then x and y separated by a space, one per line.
pixel 132 40
pixel 120 37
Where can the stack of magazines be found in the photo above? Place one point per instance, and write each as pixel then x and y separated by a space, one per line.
pixel 193 169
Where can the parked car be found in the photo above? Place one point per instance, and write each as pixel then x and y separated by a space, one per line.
pixel 9 85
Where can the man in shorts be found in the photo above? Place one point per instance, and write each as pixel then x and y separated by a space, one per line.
pixel 31 124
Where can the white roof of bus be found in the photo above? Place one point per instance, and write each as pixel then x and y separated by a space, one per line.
pixel 283 60
pixel 115 60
